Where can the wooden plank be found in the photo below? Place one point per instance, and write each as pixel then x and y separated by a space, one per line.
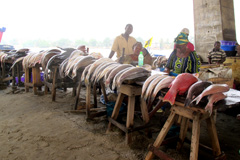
pixel 131 90
pixel 7 79
pixel 104 92
pixel 95 95
pixel 183 132
pixel 144 111
pixel 78 94
pixel 53 84
pixel 195 137
pixel 34 79
pixel 88 97
pixel 27 83
pixel 130 112
pixel 213 135
pixel 162 134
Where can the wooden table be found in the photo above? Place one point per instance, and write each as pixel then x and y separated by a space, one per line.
pixel 197 115
pixel 53 82
pixel 36 79
pixel 131 92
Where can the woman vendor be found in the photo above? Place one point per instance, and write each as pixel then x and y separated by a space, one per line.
pixel 133 58
pixel 183 59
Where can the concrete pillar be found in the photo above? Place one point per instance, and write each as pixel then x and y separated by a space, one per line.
pixel 213 21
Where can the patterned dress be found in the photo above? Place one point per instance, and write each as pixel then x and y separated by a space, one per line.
pixel 190 64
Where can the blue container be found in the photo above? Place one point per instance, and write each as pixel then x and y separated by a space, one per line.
pixel 227 43
pixel 228 48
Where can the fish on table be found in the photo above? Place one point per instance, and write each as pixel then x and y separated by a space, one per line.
pixel 152 85
pixel 110 76
pixel 164 83
pixel 132 73
pixel 195 90
pixel 212 89
pixel 81 64
pixel 94 66
pixel 179 86
pixel 147 82
pixel 213 98
pixel 101 74
pixel 99 69
pixel 115 78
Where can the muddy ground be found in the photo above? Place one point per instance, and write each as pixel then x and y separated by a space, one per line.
pixel 34 127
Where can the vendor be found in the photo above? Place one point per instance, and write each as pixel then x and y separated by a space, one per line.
pixel 133 58
pixel 217 55
pixel 184 58
pixel 123 43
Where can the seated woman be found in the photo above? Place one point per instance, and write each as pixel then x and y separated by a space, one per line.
pixel 133 58
pixel 184 58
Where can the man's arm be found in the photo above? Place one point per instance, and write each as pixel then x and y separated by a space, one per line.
pixel 111 54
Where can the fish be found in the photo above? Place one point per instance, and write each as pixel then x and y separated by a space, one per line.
pixel 134 71
pixel 195 90
pixel 76 53
pixel 108 78
pixel 71 62
pixel 47 55
pixel 100 68
pixel 146 83
pixel 101 75
pixel 212 89
pixel 213 98
pixel 164 83
pixel 180 85
pixel 16 61
pixel 84 73
pixel 116 77
pixel 82 63
pixel 62 68
pixel 152 85
pixel 94 66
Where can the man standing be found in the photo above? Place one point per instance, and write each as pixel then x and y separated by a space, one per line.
pixel 217 55
pixel 123 43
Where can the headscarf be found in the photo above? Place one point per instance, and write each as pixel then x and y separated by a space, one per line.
pixel 182 38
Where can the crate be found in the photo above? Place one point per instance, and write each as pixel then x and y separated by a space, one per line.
pixel 228 81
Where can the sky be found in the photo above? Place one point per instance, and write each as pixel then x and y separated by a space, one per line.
pixel 96 19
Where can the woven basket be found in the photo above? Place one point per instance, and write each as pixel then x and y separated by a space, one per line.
pixel 228 81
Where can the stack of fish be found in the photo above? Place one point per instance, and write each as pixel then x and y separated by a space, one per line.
pixel 73 64
pixel 182 84
pixel 213 92
pixel 153 85
pixel 112 73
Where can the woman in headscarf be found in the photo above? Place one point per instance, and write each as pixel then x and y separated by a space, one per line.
pixel 184 58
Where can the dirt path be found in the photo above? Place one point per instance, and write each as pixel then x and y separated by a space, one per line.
pixel 33 127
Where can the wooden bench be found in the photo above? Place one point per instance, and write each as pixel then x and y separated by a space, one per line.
pixel 131 92
pixel 197 115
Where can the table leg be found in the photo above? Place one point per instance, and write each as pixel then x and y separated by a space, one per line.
pixel 116 109
pixel 162 134
pixel 195 137
pixel 213 135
